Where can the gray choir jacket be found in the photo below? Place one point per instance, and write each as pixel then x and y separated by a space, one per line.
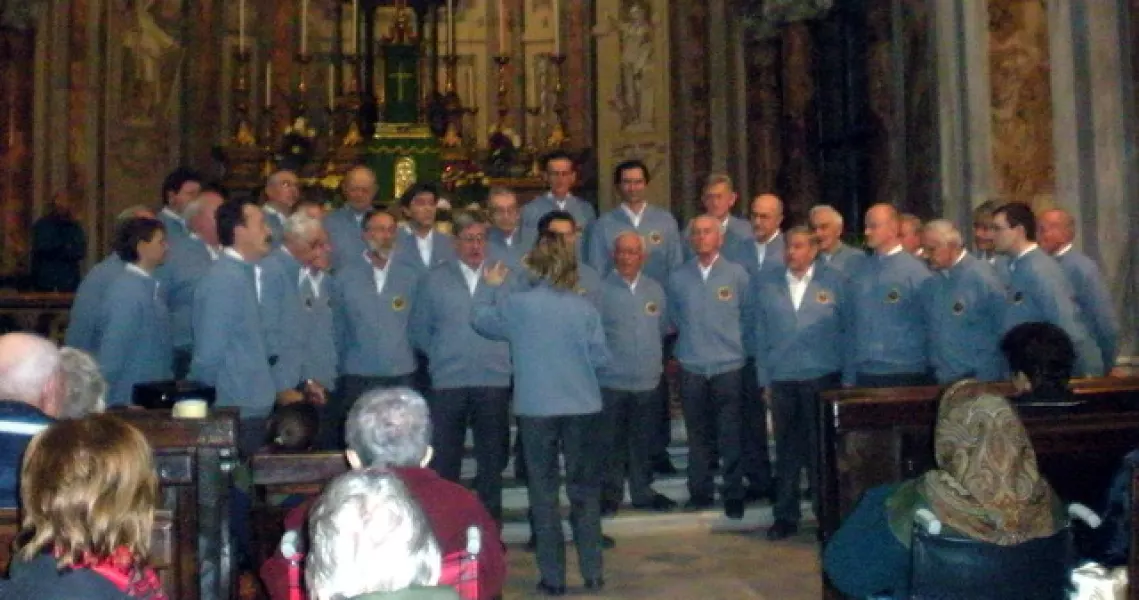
pixel 844 259
pixel 135 345
pixel 557 345
pixel 1038 290
pixel 658 229
pixel 371 327
pixel 708 316
pixel 345 231
pixel 890 323
pixel 635 323
pixel 83 318
pixel 440 327
pixel 230 352
pixel 442 250
pixel 1094 301
pixel 534 210
pixel 303 321
pixel 186 263
pixel 964 308
pixel 745 252
pixel 803 344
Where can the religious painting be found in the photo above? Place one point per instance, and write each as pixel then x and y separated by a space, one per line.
pixel 635 97
pixel 153 59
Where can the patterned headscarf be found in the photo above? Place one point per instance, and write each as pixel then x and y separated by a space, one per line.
pixel 987 485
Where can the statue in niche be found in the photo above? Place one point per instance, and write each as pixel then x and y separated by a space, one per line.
pixel 147 45
pixel 636 90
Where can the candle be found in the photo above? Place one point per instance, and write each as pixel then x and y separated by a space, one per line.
pixel 356 26
pixel 503 46
pixel 268 84
pixel 331 86
pixel 241 25
pixel 451 25
pixel 557 27
pixel 471 86
pixel 304 26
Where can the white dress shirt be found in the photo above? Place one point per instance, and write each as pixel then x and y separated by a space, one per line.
pixel 471 276
pixel 425 246
pixel 798 286
pixel 705 271
pixel 634 217
pixel 380 275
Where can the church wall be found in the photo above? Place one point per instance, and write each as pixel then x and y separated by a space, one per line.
pixel 17 49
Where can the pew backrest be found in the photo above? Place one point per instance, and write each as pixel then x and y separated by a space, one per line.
pixel 276 476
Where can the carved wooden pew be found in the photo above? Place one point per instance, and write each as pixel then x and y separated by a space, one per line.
pixel 195 459
pixel 277 475
pixel 190 545
pixel 874 436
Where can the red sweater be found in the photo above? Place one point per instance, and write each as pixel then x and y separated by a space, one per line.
pixel 449 507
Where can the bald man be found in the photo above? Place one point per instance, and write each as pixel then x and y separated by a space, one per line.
pixel 31 397
pixel 763 247
pixel 345 224
pixel 889 320
pixel 282 190
pixel 708 300
pixel 634 314
pixel 1055 231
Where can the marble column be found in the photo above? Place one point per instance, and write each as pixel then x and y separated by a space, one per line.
pixel 964 97
pixel 1094 129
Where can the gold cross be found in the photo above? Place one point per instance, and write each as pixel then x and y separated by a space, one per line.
pixel 400 77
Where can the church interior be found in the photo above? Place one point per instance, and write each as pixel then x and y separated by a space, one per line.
pixel 933 106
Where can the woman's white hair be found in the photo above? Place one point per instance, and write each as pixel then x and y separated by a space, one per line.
pixel 367 535
pixel 86 388
pixel 389 427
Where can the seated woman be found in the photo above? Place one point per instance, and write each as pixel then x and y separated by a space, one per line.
pixel 87 490
pixel 1040 358
pixel 986 487
pixel 135 343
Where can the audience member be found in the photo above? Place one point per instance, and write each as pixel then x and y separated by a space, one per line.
pixel 293 427
pixel 1041 358
pixel 86 388
pixel 986 487
pixel 58 247
pixel 88 491
pixel 370 541
pixel 32 394
pixel 391 429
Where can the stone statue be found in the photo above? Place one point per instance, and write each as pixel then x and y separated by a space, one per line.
pixel 636 90
pixel 148 44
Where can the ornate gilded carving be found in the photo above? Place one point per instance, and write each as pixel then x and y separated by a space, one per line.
pixel 1023 161
pixel 404 175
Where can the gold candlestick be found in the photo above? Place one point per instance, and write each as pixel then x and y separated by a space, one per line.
pixel 351 102
pixel 300 103
pixel 502 61
pixel 452 105
pixel 243 131
pixel 558 134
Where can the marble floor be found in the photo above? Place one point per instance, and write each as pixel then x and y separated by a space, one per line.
pixel 690 565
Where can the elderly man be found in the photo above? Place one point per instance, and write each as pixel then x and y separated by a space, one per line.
pixel 178 189
pixel 299 310
pixel 1038 289
pixel 911 235
pixel 83 318
pixel 826 223
pixel 420 244
pixel 470 374
pixel 655 224
pixel 708 301
pixel 560 175
pixel 372 299
pixel 505 240
pixel 889 340
pixel 31 395
pixel 1055 231
pixel 763 246
pixel 344 224
pixel 230 349
pixel 282 190
pixel 85 385
pixel 390 429
pixel 188 260
pixel 634 316
pixel 718 199
pixel 801 329
pixel 964 306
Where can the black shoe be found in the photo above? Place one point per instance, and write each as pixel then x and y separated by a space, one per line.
pixel 608 543
pixel 734 509
pixel 781 530
pixel 659 503
pixel 551 590
pixel 664 466
pixel 594 585
pixel 609 508
pixel 698 503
